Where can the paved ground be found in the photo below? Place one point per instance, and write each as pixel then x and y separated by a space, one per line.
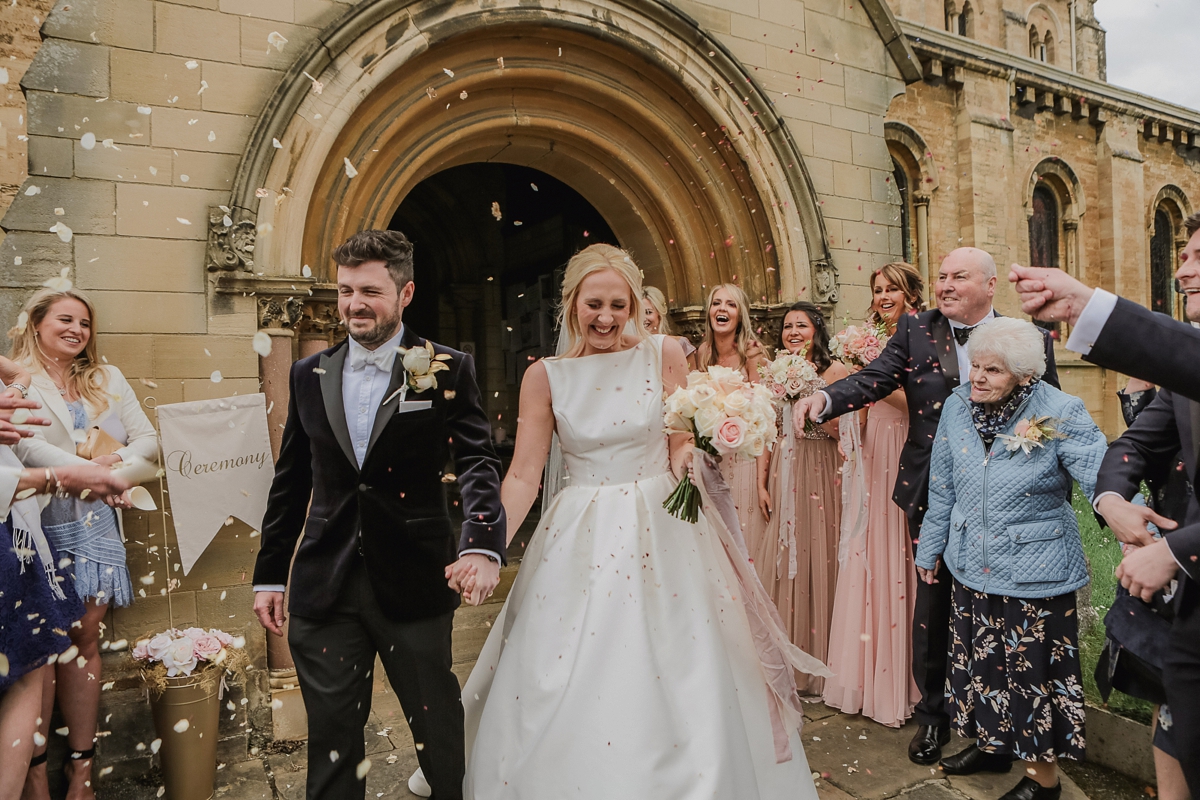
pixel 854 757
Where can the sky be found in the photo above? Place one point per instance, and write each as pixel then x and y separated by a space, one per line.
pixel 1149 43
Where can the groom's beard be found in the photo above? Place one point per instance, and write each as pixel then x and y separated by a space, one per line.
pixel 385 328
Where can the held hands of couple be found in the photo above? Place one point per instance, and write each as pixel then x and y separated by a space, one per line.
pixel 474 576
pixel 1145 570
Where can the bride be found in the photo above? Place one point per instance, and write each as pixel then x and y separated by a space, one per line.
pixel 636 655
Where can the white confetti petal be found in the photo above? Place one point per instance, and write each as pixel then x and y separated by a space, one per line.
pixel 212 136
pixel 362 769
pixel 3 76
pixel 276 144
pixel 216 376
pixel 448 72
pixel 183 221
pixel 68 655
pixel 350 170
pixel 38 739
pixel 145 110
pixel 262 343
pixel 157 743
pixel 64 235
pixel 20 416
pixel 306 271
pixel 32 190
pixel 191 64
pixel 182 726
pixel 333 755
pixel 276 39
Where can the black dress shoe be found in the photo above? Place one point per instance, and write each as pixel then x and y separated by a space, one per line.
pixel 1029 789
pixel 972 760
pixel 926 746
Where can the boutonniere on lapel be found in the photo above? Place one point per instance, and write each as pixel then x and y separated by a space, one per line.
pixel 421 364
pixel 1030 433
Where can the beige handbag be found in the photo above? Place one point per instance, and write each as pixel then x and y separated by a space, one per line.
pixel 98 443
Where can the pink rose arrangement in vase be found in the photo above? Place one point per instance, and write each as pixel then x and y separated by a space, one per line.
pixel 176 653
pixel 727 415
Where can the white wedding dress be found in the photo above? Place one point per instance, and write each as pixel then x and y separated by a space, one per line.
pixel 623 664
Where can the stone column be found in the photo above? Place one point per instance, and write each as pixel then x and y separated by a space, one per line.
pixel 921 205
pixel 1071 229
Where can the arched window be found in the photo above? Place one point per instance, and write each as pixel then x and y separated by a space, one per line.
pixel 1162 263
pixel 1043 229
pixel 966 21
pixel 1048 48
pixel 1037 48
pixel 906 231
pixel 952 17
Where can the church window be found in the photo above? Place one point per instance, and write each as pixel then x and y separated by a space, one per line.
pixel 1162 263
pixel 900 177
pixel 1043 229
pixel 1037 47
pixel 1048 48
pixel 966 21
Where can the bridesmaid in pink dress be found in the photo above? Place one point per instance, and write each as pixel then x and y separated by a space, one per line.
pixel 729 341
pixel 870 647
pixel 796 558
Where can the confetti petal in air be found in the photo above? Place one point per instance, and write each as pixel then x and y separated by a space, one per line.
pixel 362 769
pixel 4 74
pixel 350 170
pixel 216 376
pixel 20 416
pixel 333 755
pixel 496 211
pixel 212 136
pixel 276 144
pixel 306 271
pixel 191 64
pixel 276 39
pixel 432 92
pixel 449 72
pixel 262 343
pixel 182 725
pixel 62 283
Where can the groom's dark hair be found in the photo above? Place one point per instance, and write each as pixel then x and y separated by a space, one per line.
pixel 1192 224
pixel 391 247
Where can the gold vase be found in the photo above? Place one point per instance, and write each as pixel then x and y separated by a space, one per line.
pixel 188 753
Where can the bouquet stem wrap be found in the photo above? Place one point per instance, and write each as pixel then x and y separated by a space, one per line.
pixel 778 657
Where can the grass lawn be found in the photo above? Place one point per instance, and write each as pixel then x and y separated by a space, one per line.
pixel 1103 554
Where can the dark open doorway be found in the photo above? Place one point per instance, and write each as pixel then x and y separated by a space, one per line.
pixel 490 286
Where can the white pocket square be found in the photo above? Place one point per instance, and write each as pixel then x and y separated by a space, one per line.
pixel 406 406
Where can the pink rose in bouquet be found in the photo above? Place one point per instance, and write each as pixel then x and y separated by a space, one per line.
pixel 857 346
pixel 140 651
pixel 730 435
pixel 221 636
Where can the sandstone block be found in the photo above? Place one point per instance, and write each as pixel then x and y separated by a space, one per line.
pixel 132 354
pixel 833 144
pixel 713 20
pixel 68 116
pixel 257 52
pixel 794 61
pixel 198 356
pixel 170 212
pixel 50 156
pixel 868 91
pixel 120 23
pixel 182 129
pixel 849 119
pixel 205 170
pixel 87 206
pixel 154 79
pixel 280 10
pixel 236 89
pixel 836 39
pixel 317 13
pixel 151 613
pixel 69 67
pixel 833 73
pixel 783 12
pixel 149 312
pixel 753 54
pixel 870 151
pixel 233 316
pixel 772 34
pixel 842 207
pixel 200 33
pixel 41 255
pixel 134 264
pixel 821 172
pixel 207 390
pixel 805 109
pixel 888 213
pixel 129 163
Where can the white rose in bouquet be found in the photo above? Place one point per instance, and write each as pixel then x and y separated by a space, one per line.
pixel 737 403
pixel 706 420
pixel 158 645
pixel 702 395
pixel 680 403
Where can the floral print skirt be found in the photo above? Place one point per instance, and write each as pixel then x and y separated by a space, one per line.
pixel 1015 684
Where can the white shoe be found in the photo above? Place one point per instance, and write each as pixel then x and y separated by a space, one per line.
pixel 418 785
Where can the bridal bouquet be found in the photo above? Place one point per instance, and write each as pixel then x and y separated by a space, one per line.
pixel 727 415
pixel 790 376
pixel 175 653
pixel 860 346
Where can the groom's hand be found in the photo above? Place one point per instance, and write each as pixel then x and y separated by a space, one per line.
pixel 474 575
pixel 268 607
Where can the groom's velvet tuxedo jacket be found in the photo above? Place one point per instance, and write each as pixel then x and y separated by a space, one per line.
pixel 921 359
pixel 392 513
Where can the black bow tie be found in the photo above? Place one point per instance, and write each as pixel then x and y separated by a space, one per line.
pixel 962 334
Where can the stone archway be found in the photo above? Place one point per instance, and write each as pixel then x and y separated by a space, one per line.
pixel 627 101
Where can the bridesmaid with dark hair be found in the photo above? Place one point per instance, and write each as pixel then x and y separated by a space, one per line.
pixel 797 557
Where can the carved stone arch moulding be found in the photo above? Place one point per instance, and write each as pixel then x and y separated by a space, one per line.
pixel 629 102
pixel 909 147
pixel 1176 203
pixel 1058 175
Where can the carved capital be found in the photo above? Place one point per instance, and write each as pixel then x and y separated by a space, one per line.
pixel 825 283
pixel 320 320
pixel 230 243
pixel 279 312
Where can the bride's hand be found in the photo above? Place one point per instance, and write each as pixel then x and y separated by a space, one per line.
pixel 764 502
pixel 683 465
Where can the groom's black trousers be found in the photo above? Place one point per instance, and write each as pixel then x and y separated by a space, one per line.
pixel 930 638
pixel 335 658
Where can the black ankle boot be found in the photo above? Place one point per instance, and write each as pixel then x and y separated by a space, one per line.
pixel 1029 789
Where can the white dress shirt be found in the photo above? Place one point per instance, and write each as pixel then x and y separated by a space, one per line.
pixel 365 378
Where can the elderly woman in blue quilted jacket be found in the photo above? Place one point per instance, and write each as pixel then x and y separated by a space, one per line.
pixel 1007 448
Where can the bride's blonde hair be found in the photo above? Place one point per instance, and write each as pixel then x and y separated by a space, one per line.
pixel 594 259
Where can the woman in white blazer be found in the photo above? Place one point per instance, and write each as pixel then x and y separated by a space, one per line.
pixel 54 340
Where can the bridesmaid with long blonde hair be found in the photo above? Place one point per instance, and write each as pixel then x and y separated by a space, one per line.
pixel 870 643
pixel 729 341
pixel 797 557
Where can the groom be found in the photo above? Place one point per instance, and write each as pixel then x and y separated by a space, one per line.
pixel 368 435
pixel 927 357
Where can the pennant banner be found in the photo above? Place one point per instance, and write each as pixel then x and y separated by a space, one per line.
pixel 218 461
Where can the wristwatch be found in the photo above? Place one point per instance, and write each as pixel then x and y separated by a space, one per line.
pixel 22 387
